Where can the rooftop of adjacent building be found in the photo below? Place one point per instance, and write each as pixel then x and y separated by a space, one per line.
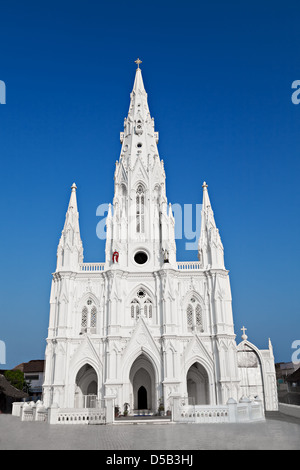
pixel 35 365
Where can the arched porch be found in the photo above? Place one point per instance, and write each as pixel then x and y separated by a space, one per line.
pixel 197 384
pixel 86 387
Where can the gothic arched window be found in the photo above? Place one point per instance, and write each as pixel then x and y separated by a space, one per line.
pixel 194 314
pixel 84 317
pixel 198 315
pixel 189 315
pixel 148 308
pixel 140 209
pixel 93 317
pixel 134 308
pixel 89 317
pixel 141 305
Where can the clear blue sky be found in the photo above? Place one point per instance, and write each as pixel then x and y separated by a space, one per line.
pixel 218 76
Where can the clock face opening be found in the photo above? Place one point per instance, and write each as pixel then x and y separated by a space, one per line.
pixel 141 257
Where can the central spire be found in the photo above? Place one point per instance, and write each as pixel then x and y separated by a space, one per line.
pixel 139 139
pixel 140 221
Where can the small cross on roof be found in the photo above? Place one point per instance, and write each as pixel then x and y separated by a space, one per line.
pixel 244 336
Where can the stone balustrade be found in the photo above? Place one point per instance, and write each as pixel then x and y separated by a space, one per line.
pixel 81 416
pixel 232 412
pixel 204 414
pixel 181 265
pixel 189 266
pixel 91 267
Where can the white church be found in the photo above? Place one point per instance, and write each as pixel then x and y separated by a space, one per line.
pixel 143 331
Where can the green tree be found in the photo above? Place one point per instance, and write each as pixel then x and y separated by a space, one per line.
pixel 16 378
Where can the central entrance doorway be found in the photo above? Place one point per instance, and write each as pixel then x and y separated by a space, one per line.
pixel 142 398
pixel 142 380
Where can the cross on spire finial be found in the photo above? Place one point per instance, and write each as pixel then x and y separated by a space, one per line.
pixel 138 62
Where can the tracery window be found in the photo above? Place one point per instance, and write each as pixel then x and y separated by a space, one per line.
pixel 140 209
pixel 89 317
pixel 93 317
pixel 189 314
pixel 148 308
pixel 141 305
pixel 84 317
pixel 198 315
pixel 194 314
pixel 135 309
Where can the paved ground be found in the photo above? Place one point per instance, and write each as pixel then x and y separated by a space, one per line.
pixel 276 433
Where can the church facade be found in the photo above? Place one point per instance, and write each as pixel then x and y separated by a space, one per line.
pixel 142 327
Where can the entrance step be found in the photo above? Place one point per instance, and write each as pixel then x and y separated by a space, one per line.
pixel 143 420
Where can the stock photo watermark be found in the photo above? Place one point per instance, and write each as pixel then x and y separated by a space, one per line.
pixel 295 95
pixel 2 92
pixel 2 352
pixel 187 226
pixel 296 353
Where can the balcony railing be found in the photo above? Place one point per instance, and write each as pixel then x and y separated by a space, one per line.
pixel 182 266
pixel 91 267
pixel 189 266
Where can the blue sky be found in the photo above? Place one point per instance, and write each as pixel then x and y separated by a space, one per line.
pixel 218 76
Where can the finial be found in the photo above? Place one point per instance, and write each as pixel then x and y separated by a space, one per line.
pixel 138 62
pixel 244 336
pixel 204 186
pixel 270 345
pixel 74 187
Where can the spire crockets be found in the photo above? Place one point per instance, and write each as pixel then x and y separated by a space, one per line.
pixel 210 247
pixel 140 209
pixel 70 250
pixel 139 140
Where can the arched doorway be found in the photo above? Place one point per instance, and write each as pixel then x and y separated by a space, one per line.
pixel 86 389
pixel 142 380
pixel 197 385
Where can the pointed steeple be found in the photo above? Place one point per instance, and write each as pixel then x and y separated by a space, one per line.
pixel 210 247
pixel 139 109
pixel 138 85
pixel 206 200
pixel 73 199
pixel 139 139
pixel 70 250
pixel 140 208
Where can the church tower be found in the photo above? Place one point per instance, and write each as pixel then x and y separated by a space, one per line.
pixel 140 226
pixel 143 327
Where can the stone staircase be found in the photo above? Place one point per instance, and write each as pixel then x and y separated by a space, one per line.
pixel 142 417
